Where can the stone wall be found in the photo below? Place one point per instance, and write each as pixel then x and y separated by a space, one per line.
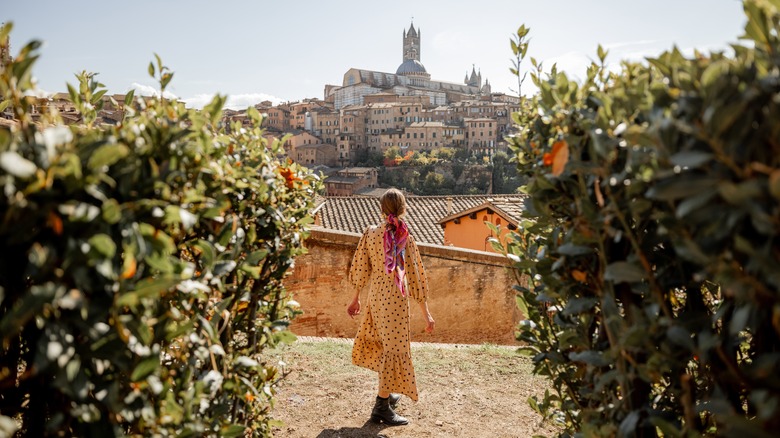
pixel 471 298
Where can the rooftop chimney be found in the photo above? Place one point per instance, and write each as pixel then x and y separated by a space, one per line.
pixel 449 206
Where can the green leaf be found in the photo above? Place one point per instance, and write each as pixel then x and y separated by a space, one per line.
pixel 579 305
pixel 146 367
pixel 683 187
pixel 738 194
pixel 25 308
pixel 253 271
pixel 254 257
pixel 739 321
pixel 717 70
pixel 165 80
pixel 681 337
pixel 107 155
pixel 206 252
pixel 602 54
pixel 571 249
pixel 285 337
pixel 98 96
pixel 624 272
pixel 129 97
pixel 146 288
pixel 234 430
pixel 590 357
pixel 534 404
pixel 103 244
pixel 112 212
pixel 151 69
pixel 690 159
pixel 522 305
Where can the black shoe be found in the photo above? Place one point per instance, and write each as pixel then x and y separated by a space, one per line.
pixel 393 400
pixel 383 413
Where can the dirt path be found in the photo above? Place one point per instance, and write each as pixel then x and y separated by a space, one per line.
pixel 465 391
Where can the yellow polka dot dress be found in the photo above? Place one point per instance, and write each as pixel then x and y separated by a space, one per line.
pixel 382 341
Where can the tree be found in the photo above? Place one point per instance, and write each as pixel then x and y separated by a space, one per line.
pixel 647 259
pixel 142 268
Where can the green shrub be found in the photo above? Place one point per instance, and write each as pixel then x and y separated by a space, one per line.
pixel 140 278
pixel 649 257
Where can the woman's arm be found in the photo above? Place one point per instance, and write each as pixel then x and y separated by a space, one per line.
pixel 354 308
pixel 427 315
pixel 359 273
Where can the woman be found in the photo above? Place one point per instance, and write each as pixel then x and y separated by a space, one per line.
pixel 388 260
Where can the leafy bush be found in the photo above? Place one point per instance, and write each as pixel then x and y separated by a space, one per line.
pixel 142 265
pixel 649 258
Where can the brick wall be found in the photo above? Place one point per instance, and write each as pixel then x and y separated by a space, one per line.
pixel 471 299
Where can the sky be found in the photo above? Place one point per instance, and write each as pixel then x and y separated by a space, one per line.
pixel 282 50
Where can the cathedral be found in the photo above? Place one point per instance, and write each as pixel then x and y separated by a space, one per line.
pixel 410 79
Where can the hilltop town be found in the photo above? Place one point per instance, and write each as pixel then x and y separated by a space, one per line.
pixel 378 119
pixel 381 121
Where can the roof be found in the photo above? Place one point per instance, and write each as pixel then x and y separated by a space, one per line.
pixel 510 209
pixel 410 66
pixel 362 170
pixel 338 179
pixel 356 213
pixel 426 125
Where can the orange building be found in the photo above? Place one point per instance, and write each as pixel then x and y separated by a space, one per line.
pixel 467 228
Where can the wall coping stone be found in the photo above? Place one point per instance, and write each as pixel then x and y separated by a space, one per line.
pixel 345 238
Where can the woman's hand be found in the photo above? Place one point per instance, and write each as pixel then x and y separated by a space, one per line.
pixel 354 308
pixel 430 323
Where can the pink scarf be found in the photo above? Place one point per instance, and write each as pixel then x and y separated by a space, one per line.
pixel 396 233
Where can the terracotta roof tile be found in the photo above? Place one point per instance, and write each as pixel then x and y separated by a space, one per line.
pixel 355 214
pixel 510 208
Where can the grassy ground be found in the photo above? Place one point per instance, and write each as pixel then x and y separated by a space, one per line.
pixel 465 391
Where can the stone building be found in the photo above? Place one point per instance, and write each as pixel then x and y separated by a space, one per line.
pixel 319 154
pixel 347 182
pixel 410 79
pixel 325 124
pixel 481 135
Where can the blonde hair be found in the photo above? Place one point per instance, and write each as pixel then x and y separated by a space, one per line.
pixel 393 202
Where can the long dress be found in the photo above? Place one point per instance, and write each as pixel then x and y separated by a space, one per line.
pixel 382 341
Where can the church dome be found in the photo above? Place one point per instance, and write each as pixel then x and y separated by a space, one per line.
pixel 410 66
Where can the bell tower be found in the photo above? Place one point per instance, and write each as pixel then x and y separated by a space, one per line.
pixel 411 44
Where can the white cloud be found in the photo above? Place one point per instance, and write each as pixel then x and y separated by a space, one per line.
pixel 234 101
pixel 148 90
